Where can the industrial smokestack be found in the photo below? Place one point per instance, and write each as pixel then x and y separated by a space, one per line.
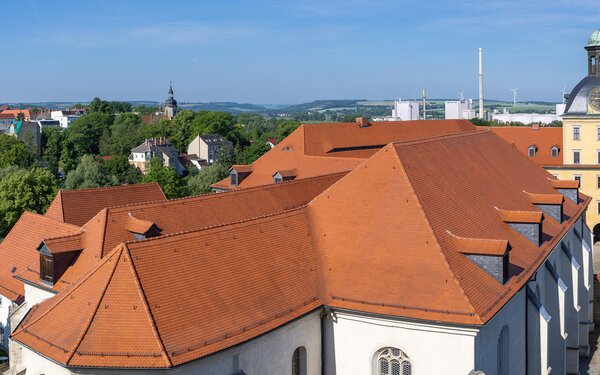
pixel 424 104
pixel 480 83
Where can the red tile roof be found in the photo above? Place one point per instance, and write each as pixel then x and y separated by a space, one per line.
pixel 546 198
pixel 480 245
pixel 509 216
pixel 19 249
pixel 564 184
pixel 317 149
pixel 380 240
pixel 78 206
pixel 543 138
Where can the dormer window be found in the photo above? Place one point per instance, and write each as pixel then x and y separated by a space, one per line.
pixel 238 173
pixel 142 229
pixel 284 175
pixel 234 178
pixel 46 266
pixel 531 151
pixel 554 151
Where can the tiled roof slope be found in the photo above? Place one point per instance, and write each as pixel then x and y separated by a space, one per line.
pixel 78 206
pixel 126 314
pixel 19 249
pixel 316 149
pixel 112 226
pixel 524 136
pixel 380 240
pixel 418 191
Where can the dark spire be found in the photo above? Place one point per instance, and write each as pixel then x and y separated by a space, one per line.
pixel 171 88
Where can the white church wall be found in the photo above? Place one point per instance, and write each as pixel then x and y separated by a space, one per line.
pixel 5 304
pixel 511 322
pixel 268 354
pixel 352 342
pixel 35 295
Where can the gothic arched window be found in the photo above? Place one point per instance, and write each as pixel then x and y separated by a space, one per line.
pixel 503 351
pixel 299 361
pixel 392 361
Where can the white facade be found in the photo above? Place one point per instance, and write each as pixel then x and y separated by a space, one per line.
pixel 5 305
pixel 268 354
pixel 404 111
pixel 531 118
pixel 64 119
pixel 459 110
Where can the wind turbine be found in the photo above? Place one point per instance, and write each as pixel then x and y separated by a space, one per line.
pixel 564 93
pixel 462 95
pixel 514 95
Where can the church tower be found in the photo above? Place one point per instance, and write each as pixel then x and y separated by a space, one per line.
pixel 171 108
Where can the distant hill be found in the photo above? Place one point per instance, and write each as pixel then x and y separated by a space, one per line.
pixel 368 107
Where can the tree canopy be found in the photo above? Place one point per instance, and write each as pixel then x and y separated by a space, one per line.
pixel 89 174
pixel 14 152
pixel 24 190
pixel 166 177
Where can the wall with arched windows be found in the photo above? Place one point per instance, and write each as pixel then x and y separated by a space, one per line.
pixel 358 341
pixel 500 344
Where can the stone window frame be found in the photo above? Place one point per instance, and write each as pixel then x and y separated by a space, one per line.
pixel 392 361
pixel 576 132
pixel 577 160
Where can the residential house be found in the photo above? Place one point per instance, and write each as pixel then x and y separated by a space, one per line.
pixel 15 112
pixel 65 117
pixel 209 147
pixel 156 148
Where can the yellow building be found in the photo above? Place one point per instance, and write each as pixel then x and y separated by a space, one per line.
pixel 581 135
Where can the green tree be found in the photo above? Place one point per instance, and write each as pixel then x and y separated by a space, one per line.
pixel 200 183
pixel 24 190
pixel 182 127
pixel 14 152
pixel 84 134
pixel 88 174
pixel 121 170
pixel 101 106
pixel 158 129
pixel 52 140
pixel 170 182
pixel 126 133
pixel 285 128
pixel 253 152
pixel 145 110
pixel 120 107
pixel 213 123
pixel 20 116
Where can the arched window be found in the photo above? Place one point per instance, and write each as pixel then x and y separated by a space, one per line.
pixel 392 361
pixel 503 351
pixel 299 361
pixel 531 151
pixel 554 151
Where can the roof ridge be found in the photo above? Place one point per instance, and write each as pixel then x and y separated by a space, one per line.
pixel 91 319
pixel 78 233
pixel 140 290
pixel 437 242
pixel 438 137
pixel 115 187
pixel 236 191
pixel 175 234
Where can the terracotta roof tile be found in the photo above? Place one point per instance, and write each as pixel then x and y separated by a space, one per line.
pixel 546 198
pixel 392 251
pixel 19 249
pixel 564 184
pixel 78 206
pixel 543 138
pixel 509 216
pixel 343 145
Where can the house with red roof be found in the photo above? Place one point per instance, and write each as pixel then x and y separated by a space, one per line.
pixel 451 245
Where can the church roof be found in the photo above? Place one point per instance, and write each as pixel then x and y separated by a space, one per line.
pixel 594 39
pixel 79 206
pixel 380 240
pixel 316 149
pixel 577 104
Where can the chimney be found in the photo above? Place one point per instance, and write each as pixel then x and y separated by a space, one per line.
pixel 480 83
pixel 362 122
pixel 535 127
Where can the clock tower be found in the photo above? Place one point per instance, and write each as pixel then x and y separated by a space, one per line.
pixel 581 134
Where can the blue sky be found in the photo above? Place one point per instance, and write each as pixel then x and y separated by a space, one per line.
pixel 277 51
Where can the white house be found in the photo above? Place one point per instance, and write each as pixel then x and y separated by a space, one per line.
pixel 208 147
pixel 156 148
pixel 65 118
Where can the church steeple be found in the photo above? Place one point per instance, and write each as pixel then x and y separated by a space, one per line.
pixel 171 108
pixel 593 48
